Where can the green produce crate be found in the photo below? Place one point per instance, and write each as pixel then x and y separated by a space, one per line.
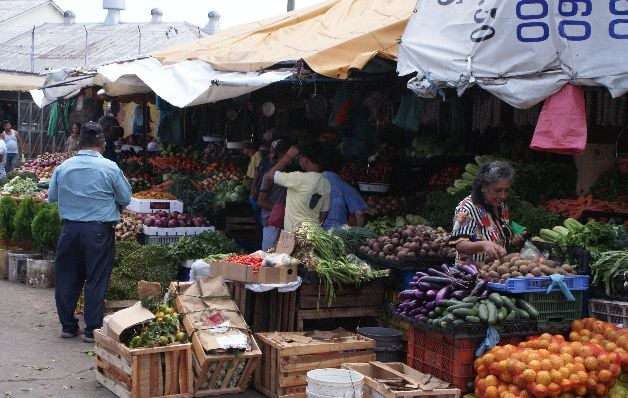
pixel 553 308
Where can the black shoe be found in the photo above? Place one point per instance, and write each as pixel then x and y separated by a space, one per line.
pixel 88 339
pixel 69 335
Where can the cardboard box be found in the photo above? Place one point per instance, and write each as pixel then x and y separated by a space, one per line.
pixel 115 324
pixel 243 273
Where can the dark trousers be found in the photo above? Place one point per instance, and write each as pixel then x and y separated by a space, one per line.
pixel 85 255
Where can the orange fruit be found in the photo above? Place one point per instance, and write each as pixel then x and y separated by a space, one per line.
pixel 557 362
pixel 557 377
pixel 590 363
pixel 601 390
pixel 553 390
pixel 604 375
pixel 574 336
pixel 502 388
pixel 491 392
pixel 610 346
pixel 574 379
pixel 546 336
pixel 583 376
pixel 577 325
pixel 604 361
pixel 584 332
pixel 529 375
pixel 554 348
pixel 585 339
pixel 492 381
pixel 543 377
pixel 565 385
pixel 564 372
pixel 488 359
pixel 546 364
pixel 539 391
pixel 567 349
pixel 535 365
pixel 580 391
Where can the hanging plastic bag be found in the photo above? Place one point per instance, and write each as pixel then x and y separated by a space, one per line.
pixel 562 125
pixel 529 251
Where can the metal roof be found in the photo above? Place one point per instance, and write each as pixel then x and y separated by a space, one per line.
pixel 58 45
pixel 12 8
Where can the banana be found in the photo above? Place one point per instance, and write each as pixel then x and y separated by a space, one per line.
pixel 472 168
pixel 462 184
pixel 468 176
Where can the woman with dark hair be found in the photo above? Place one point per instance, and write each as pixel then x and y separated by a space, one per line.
pixel 72 144
pixel 481 225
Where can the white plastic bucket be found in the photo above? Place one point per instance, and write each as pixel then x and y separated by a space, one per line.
pixel 334 383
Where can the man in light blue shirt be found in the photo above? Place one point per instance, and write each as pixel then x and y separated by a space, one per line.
pixel 344 199
pixel 90 191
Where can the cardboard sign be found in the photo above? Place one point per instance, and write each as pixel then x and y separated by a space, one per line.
pixel 115 324
pixel 261 275
pixel 285 245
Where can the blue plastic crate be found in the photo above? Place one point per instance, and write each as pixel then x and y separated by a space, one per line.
pixel 538 284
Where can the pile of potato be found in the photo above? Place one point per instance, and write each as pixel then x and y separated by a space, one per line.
pixel 129 227
pixel 514 266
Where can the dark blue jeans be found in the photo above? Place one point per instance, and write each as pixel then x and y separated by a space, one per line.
pixel 85 255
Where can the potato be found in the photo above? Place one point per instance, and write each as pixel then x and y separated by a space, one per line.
pixel 568 268
pixel 514 259
pixel 506 275
pixel 547 262
pixel 493 275
pixel 529 275
pixel 547 270
pixel 516 274
pixel 514 268
pixel 536 271
pixel 508 257
pixel 524 269
pixel 519 263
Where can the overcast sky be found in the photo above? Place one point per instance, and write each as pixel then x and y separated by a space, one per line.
pixel 233 12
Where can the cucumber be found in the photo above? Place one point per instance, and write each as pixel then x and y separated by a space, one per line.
pixel 512 315
pixel 448 303
pixel 508 302
pixel 443 324
pixel 448 318
pixel 431 314
pixel 458 306
pixel 483 312
pixel 463 312
pixel 496 298
pixel 492 313
pixel 529 308
pixel 470 299
pixel 439 310
pixel 457 322
pixel 502 313
pixel 523 314
pixel 472 319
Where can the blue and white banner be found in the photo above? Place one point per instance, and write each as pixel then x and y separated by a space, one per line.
pixel 521 50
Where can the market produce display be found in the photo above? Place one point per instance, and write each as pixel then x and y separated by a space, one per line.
pixel 129 227
pixel 353 237
pixel 43 165
pixel 157 195
pixel 610 270
pixel 611 186
pixel 325 254
pixel 384 205
pixel 514 266
pixel 19 186
pixel 574 208
pixel 202 245
pixel 465 182
pixel 174 164
pixel 164 330
pixel 607 335
pixel 546 366
pixel 592 236
pixel 139 184
pixel 445 177
pixel 163 219
pixel 354 173
pixel 231 192
pixel 408 243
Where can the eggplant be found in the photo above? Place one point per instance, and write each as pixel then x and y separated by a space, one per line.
pixel 420 274
pixel 420 318
pixel 438 280
pixel 430 294
pixel 459 294
pixel 444 268
pixel 435 272
pixel 430 305
pixel 413 285
pixel 479 288
pixel 470 269
pixel 415 311
pixel 425 311
pixel 415 279
pixel 443 293
pixel 424 286
pixel 419 295
pixel 468 277
pixel 406 294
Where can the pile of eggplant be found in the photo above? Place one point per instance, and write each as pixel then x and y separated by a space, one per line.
pixel 428 288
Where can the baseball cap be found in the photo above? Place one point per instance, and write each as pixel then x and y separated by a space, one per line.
pixel 92 129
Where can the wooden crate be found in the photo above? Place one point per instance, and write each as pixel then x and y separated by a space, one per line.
pixel 287 357
pixel 268 311
pixel 143 372
pixel 375 371
pixel 238 370
pixel 350 302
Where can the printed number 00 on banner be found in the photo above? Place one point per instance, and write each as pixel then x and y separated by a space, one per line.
pixel 535 30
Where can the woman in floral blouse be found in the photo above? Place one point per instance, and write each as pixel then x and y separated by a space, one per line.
pixel 481 225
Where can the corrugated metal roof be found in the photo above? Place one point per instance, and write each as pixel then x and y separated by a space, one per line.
pixel 60 45
pixel 13 8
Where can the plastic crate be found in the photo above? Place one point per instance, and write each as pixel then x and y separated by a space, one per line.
pixel 553 308
pixel 604 217
pixel 551 250
pixel 539 284
pixel 609 311
pixel 580 259
pixel 619 287
pixel 449 359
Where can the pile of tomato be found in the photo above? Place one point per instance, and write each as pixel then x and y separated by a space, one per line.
pixel 250 260
pixel 550 366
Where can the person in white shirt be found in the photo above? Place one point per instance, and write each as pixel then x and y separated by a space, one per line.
pixel 3 157
pixel 13 144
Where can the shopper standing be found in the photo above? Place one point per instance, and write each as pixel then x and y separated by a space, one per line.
pixel 90 191
pixel 14 143
pixel 3 158
pixel 73 140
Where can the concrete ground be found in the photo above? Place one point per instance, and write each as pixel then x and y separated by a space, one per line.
pixel 34 360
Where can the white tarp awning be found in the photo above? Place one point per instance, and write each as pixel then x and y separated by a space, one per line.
pixel 521 51
pixel 182 84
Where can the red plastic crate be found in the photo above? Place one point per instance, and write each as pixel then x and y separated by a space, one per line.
pixel 449 359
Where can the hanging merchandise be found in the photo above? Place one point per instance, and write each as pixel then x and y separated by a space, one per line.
pixel 316 106
pixel 409 114
pixel 381 109
pixel 358 137
pixel 562 126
